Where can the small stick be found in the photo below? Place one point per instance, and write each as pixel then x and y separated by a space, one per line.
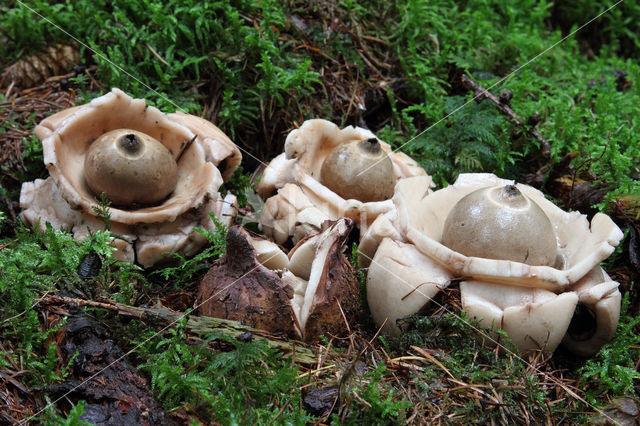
pixel 186 147
pixel 201 326
pixel 480 93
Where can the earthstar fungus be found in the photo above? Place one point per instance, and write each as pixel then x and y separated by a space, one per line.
pixel 326 173
pixel 534 303
pixel 500 222
pixel 157 202
pixel 359 170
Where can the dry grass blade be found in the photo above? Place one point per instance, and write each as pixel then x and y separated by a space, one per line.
pixel 432 359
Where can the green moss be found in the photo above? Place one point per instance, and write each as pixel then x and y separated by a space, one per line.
pixel 613 371
pixel 248 384
pixel 32 264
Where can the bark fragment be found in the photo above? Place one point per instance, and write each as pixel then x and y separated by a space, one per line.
pixel 114 391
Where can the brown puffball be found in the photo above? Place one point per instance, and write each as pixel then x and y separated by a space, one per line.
pixel 359 170
pixel 501 223
pixel 130 167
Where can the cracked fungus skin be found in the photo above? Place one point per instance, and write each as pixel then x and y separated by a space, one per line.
pixel 409 263
pixel 263 300
pixel 337 291
pixel 311 292
pixel 150 227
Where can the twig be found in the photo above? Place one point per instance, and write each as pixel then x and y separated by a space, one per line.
pixel 433 359
pixel 480 93
pixel 9 89
pixel 46 102
pixel 198 325
pixel 4 246
pixel 185 147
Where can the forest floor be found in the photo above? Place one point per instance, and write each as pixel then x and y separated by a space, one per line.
pixel 408 72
